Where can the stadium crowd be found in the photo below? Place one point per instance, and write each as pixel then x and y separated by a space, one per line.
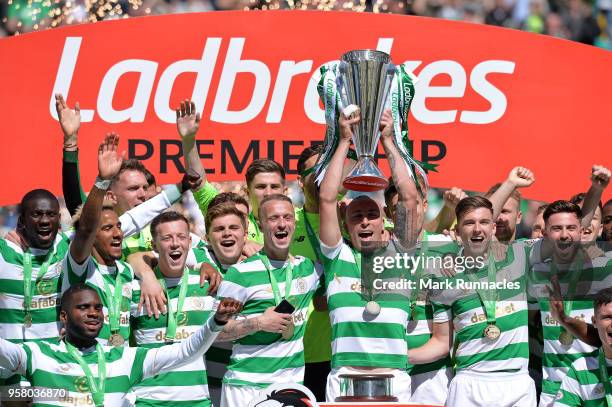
pixel 585 21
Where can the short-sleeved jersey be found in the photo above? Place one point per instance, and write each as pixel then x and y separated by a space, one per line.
pixel 188 383
pixel 596 274
pixel 94 275
pixel 583 385
pixel 461 302
pixel 45 291
pixel 218 356
pixel 263 358
pixel 360 339
pixel 51 366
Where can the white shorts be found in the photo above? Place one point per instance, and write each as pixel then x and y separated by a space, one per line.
pixel 238 396
pixel 400 384
pixel 547 400
pixel 431 387
pixel 491 390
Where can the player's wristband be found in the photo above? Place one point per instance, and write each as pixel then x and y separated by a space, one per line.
pixel 102 184
pixel 220 323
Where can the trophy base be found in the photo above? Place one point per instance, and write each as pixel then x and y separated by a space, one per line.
pixel 365 176
pixel 367 399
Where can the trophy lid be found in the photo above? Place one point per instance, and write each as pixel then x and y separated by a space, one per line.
pixel 366 55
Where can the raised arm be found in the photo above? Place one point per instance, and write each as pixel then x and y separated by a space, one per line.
pixel 70 121
pixel 109 162
pixel 188 124
pixel 445 218
pixel 405 228
pixel 168 357
pixel 600 178
pixel 330 233
pixel 519 177
pixel 13 358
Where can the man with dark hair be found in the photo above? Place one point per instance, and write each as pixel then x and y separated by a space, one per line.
pixel 272 353
pixel 30 273
pixel 91 373
pixel 490 323
pixel 588 380
pixel 577 278
pixel 189 307
pixel 95 253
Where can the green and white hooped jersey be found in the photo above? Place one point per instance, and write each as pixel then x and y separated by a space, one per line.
pixel 419 329
pixel 218 356
pixel 45 290
pixel 263 358
pixel 188 383
pixel 51 366
pixel 557 358
pixel 474 352
pixel 583 384
pixel 94 275
pixel 358 339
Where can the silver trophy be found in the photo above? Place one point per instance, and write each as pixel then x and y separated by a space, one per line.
pixel 364 80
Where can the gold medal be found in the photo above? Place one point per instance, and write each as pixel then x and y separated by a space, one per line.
pixel 372 308
pixel 116 340
pixel 27 320
pixel 288 332
pixel 492 332
pixel 566 338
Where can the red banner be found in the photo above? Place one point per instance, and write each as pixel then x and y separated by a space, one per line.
pixel 488 98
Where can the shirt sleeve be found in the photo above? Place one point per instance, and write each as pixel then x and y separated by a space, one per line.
pixel 136 219
pixel 71 181
pixel 204 195
pixel 331 252
pixel 162 359
pixel 74 272
pixel 13 357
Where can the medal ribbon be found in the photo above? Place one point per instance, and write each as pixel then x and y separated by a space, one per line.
pixel 288 279
pixel 571 285
pixel 114 301
pixel 603 370
pixel 27 278
pixel 173 316
pixel 488 297
pixel 96 387
pixel 312 237
pixel 418 275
